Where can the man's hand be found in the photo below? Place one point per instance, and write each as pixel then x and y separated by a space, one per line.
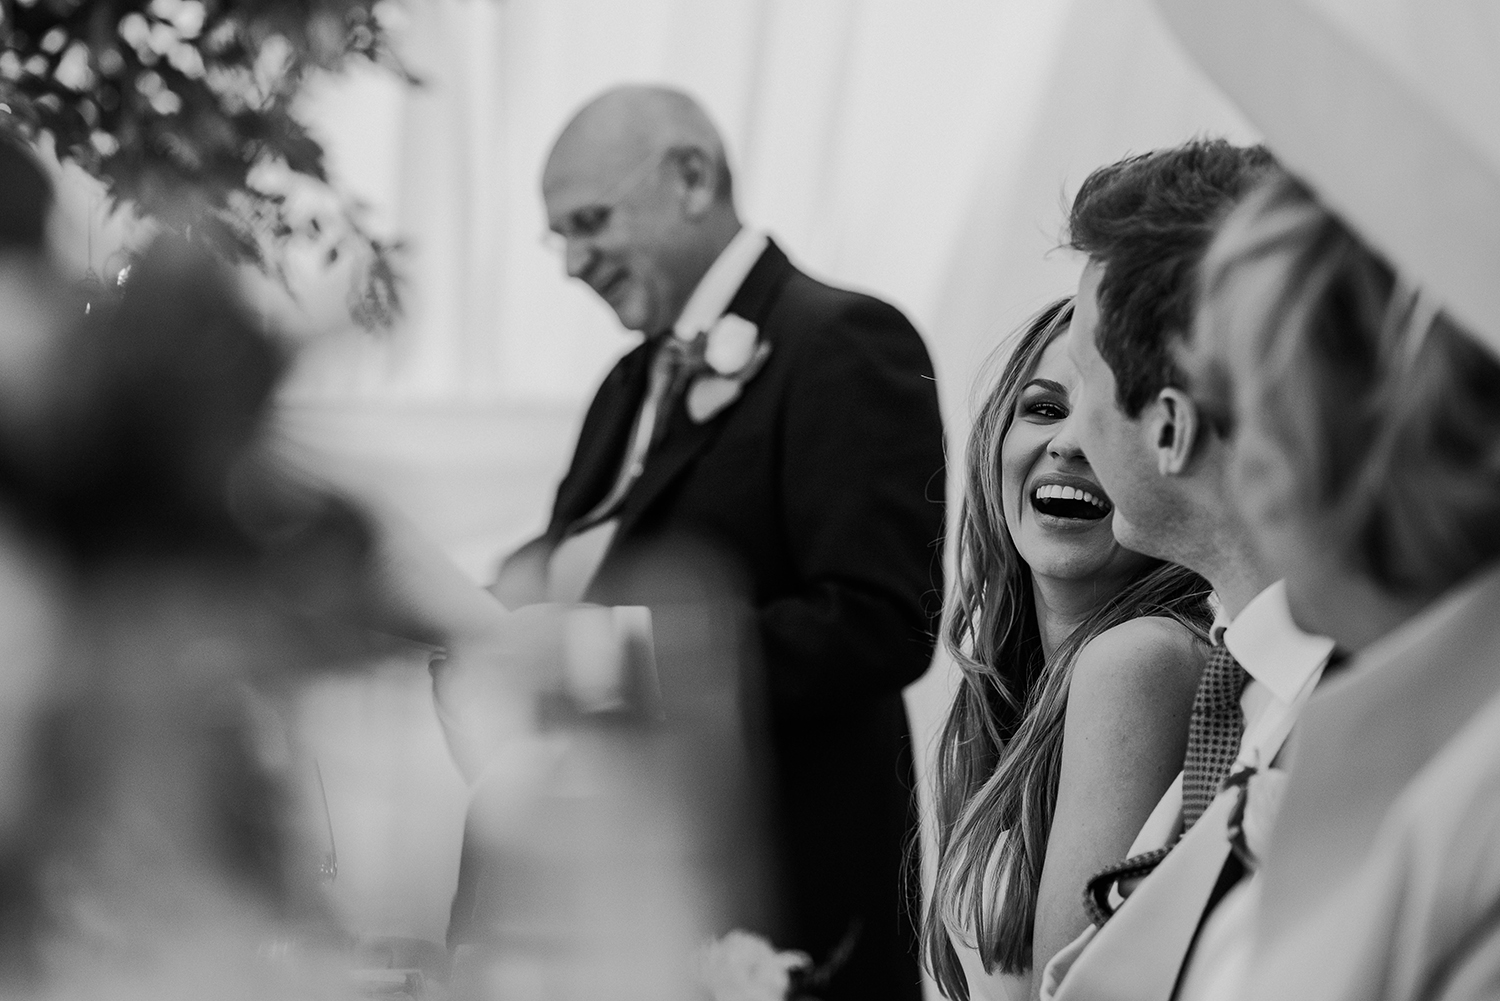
pixel 487 689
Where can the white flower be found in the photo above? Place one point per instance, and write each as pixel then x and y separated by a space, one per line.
pixel 732 355
pixel 1262 804
pixel 731 344
pixel 745 967
pixel 710 394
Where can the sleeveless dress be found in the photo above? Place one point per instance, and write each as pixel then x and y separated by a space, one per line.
pixel 984 986
pixel 996 986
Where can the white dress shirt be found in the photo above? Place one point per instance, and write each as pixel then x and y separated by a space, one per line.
pixel 577 558
pixel 1285 665
pixel 716 289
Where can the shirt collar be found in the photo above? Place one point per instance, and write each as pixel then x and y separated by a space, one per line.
pixel 1221 619
pixel 719 283
pixel 1270 647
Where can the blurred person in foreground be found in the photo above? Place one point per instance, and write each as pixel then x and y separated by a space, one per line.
pixel 790 431
pixel 161 846
pixel 1080 659
pixel 170 583
pixel 1145 224
pixel 1368 464
pixel 32 596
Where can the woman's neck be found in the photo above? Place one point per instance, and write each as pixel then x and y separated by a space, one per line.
pixel 1064 605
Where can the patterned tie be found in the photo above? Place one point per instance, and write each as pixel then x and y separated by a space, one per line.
pixel 1214 733
pixel 673 364
pixel 679 361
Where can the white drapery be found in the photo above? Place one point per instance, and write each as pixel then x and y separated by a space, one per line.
pixel 1388 109
pixel 919 150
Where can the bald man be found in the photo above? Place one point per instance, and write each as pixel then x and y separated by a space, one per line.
pixel 791 430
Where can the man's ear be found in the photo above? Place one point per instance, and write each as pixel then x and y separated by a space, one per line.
pixel 697 176
pixel 1174 425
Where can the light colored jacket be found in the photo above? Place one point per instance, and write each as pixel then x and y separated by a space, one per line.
pixel 1383 878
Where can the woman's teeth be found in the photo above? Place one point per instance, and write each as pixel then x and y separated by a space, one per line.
pixel 1069 502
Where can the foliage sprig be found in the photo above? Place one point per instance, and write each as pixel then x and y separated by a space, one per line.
pixel 183 109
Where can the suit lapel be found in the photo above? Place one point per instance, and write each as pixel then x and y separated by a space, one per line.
pixel 686 439
pixel 603 438
pixel 758 292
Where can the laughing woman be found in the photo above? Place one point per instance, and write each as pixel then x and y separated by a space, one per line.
pixel 1080 660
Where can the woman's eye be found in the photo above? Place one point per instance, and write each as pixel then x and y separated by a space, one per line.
pixel 1048 409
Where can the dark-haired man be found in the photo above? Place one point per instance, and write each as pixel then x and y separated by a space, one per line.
pixel 1145 224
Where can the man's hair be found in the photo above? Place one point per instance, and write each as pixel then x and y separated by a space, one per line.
pixel 1148 220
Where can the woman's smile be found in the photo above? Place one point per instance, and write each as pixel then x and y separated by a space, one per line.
pixel 1059 516
pixel 1064 501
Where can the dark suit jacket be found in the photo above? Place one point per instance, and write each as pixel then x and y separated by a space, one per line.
pixel 822 487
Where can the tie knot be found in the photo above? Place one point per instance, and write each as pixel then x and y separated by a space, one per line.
pixel 684 355
pixel 1223 678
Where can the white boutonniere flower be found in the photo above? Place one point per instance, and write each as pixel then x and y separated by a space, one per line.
pixel 731 344
pixel 745 967
pixel 1260 794
pixel 733 353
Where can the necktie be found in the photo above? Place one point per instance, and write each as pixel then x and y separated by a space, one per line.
pixel 680 360
pixel 674 363
pixel 1214 733
pixel 1138 955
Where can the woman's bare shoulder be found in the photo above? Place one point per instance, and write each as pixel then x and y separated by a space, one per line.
pixel 1149 654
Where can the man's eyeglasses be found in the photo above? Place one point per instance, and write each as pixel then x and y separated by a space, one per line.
pixel 588 221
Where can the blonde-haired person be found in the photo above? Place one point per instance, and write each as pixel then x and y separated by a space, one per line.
pixel 1080 659
pixel 1368 465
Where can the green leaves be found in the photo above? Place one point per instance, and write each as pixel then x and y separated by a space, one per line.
pixel 179 105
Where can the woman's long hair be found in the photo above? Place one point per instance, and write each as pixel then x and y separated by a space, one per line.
pixel 1000 750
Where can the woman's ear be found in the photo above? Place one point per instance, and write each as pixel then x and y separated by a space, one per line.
pixel 1173 422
